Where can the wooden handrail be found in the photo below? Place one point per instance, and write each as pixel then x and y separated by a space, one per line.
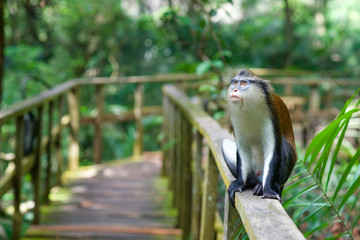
pixel 262 218
pixel 184 116
pixel 27 105
pixel 54 100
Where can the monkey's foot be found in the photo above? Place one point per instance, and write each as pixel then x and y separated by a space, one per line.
pixel 272 195
pixel 235 186
pixel 258 190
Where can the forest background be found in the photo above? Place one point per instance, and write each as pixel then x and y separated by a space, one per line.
pixel 48 42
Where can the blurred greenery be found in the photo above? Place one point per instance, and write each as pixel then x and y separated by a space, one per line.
pixel 58 40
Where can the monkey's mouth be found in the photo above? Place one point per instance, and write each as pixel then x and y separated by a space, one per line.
pixel 236 98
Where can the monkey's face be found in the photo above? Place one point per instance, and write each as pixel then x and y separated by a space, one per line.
pixel 237 90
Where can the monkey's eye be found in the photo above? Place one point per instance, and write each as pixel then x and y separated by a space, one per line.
pixel 239 84
pixel 244 84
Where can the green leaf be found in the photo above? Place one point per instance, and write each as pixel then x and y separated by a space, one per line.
pixel 203 67
pixel 343 234
pixel 335 154
pixel 354 186
pixel 302 192
pixel 185 20
pixel 295 184
pixel 345 174
pixel 319 227
pixel 218 64
pixel 207 88
pixel 313 213
pixel 223 53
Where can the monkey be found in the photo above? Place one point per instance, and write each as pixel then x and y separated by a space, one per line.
pixel 264 138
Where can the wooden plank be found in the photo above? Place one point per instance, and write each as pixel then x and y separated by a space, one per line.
pixel 124 197
pixel 107 229
pixel 207 228
pixel 98 123
pixel 19 152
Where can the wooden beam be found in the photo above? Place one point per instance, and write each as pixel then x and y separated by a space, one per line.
pixel 196 187
pixel 26 105
pixel 122 117
pixel 49 163
pixel 37 166
pixel 99 89
pixel 73 154
pixel 207 229
pixel 139 96
pixel 106 229
pixel 19 152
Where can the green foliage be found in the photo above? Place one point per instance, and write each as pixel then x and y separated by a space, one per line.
pixel 326 187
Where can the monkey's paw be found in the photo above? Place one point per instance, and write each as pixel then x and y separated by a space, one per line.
pixel 271 194
pixel 258 190
pixel 235 186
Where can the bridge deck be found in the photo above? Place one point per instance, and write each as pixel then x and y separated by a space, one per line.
pixel 123 200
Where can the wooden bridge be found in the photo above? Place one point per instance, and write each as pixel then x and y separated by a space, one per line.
pixel 130 200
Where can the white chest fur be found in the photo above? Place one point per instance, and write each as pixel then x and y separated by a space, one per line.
pixel 254 135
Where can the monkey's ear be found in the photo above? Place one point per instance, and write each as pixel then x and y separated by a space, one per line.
pixel 228 148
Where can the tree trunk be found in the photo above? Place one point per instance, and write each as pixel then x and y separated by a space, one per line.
pixel 289 38
pixel 2 47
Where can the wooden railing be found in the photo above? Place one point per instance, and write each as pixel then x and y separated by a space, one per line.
pixel 196 187
pixel 52 115
pixel 58 108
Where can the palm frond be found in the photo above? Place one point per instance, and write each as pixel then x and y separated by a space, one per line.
pixel 326 186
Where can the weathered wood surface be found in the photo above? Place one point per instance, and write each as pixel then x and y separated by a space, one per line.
pixel 114 201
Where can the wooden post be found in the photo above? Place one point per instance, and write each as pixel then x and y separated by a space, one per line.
pixel 19 153
pixel 314 101
pixel 49 153
pixel 166 152
pixel 207 229
pixel 186 177
pixel 230 219
pixel 172 150
pixel 289 89
pixel 98 123
pixel 196 187
pixel 58 149
pixel 178 164
pixel 73 101
pixel 37 166
pixel 138 145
